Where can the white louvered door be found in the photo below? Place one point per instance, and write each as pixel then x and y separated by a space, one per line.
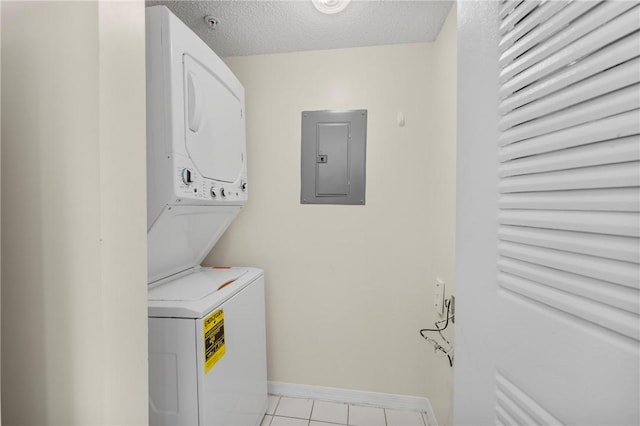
pixel 551 333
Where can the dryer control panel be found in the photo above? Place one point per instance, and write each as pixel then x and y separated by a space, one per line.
pixel 191 185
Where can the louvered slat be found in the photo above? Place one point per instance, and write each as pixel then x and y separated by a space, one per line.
pixel 541 14
pixel 552 26
pixel 610 56
pixel 609 81
pixel 508 6
pixel 536 413
pixel 612 223
pixel 503 418
pixel 618 296
pixel 617 126
pixel 607 176
pixel 613 151
pixel 614 271
pixel 613 103
pixel 534 66
pixel 620 321
pixel 579 30
pixel 606 246
pixel 517 14
pixel 518 414
pixel 610 199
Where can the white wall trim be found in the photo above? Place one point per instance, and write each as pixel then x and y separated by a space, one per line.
pixel 382 400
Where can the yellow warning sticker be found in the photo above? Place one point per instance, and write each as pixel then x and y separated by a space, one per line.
pixel 214 347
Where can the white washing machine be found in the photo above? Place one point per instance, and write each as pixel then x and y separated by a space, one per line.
pixel 207 349
pixel 207 362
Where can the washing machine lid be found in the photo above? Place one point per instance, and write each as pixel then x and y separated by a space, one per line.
pixel 182 236
pixel 198 293
pixel 196 286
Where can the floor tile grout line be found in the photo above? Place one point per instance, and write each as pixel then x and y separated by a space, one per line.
pixel 348 411
pixel 276 407
pixel 292 417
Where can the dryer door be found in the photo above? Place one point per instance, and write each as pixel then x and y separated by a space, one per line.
pixel 214 124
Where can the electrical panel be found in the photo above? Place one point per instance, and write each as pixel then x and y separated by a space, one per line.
pixel 333 163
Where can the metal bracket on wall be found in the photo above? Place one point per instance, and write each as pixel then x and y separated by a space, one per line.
pixel 452 309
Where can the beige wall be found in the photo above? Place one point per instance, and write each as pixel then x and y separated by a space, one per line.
pixel 441 165
pixel 348 287
pixel 73 224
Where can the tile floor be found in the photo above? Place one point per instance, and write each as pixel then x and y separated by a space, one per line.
pixel 284 411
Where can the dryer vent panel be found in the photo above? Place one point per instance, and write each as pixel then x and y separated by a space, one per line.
pixel 333 157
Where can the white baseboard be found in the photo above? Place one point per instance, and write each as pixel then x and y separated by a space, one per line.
pixel 382 400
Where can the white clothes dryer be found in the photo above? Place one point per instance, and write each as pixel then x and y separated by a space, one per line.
pixel 196 146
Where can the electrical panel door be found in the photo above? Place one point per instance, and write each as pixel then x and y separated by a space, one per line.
pixel 333 157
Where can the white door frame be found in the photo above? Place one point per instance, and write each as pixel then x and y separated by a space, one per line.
pixel 476 208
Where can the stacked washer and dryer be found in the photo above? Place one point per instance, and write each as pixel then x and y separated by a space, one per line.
pixel 207 345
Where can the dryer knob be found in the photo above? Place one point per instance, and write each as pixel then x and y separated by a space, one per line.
pixel 213 193
pixel 187 176
pixel 243 186
pixel 223 192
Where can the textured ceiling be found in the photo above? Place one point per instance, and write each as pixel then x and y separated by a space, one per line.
pixel 258 26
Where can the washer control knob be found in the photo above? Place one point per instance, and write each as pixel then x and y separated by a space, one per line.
pixel 243 186
pixel 213 192
pixel 223 192
pixel 187 176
